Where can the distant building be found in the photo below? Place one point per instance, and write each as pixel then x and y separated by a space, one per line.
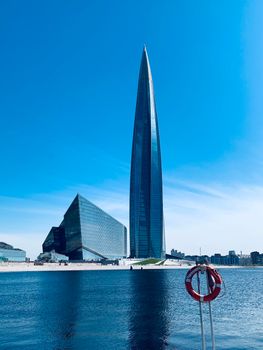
pixel 177 254
pixel 218 259
pixel 87 233
pixel 256 258
pixel 245 260
pixel 9 253
pixel 200 259
pixel 230 259
pixel 231 253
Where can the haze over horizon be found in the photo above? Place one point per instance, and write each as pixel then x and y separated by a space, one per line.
pixel 69 75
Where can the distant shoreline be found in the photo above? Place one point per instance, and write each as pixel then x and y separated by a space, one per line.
pixel 30 267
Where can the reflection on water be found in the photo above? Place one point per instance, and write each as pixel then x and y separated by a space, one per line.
pixel 148 323
pixel 121 310
pixel 59 316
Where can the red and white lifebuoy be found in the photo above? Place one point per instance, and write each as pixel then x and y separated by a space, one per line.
pixel 214 290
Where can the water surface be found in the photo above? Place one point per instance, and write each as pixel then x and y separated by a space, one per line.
pixel 139 309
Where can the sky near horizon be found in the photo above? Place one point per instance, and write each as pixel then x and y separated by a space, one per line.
pixel 68 81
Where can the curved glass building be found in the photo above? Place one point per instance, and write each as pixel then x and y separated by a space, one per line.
pixel 146 193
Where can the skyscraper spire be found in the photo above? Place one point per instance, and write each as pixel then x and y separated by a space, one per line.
pixel 146 194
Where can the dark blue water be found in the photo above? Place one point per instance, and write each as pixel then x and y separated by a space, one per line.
pixel 146 309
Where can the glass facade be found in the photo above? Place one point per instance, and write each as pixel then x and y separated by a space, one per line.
pixel 108 235
pixel 55 240
pixel 86 233
pixel 8 253
pixel 146 194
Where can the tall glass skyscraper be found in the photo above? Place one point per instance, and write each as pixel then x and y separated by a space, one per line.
pixel 146 192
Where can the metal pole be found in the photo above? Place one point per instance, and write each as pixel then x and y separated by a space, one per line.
pixel 210 316
pixel 212 327
pixel 201 314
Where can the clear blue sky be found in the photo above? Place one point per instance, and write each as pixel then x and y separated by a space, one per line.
pixel 68 80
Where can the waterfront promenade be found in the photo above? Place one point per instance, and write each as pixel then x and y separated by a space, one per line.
pixel 27 267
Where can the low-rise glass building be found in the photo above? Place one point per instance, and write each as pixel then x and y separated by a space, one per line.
pixel 52 256
pixel 87 233
pixel 9 253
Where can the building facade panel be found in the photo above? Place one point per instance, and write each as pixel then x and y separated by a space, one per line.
pixel 101 233
pixel 72 228
pixel 55 240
